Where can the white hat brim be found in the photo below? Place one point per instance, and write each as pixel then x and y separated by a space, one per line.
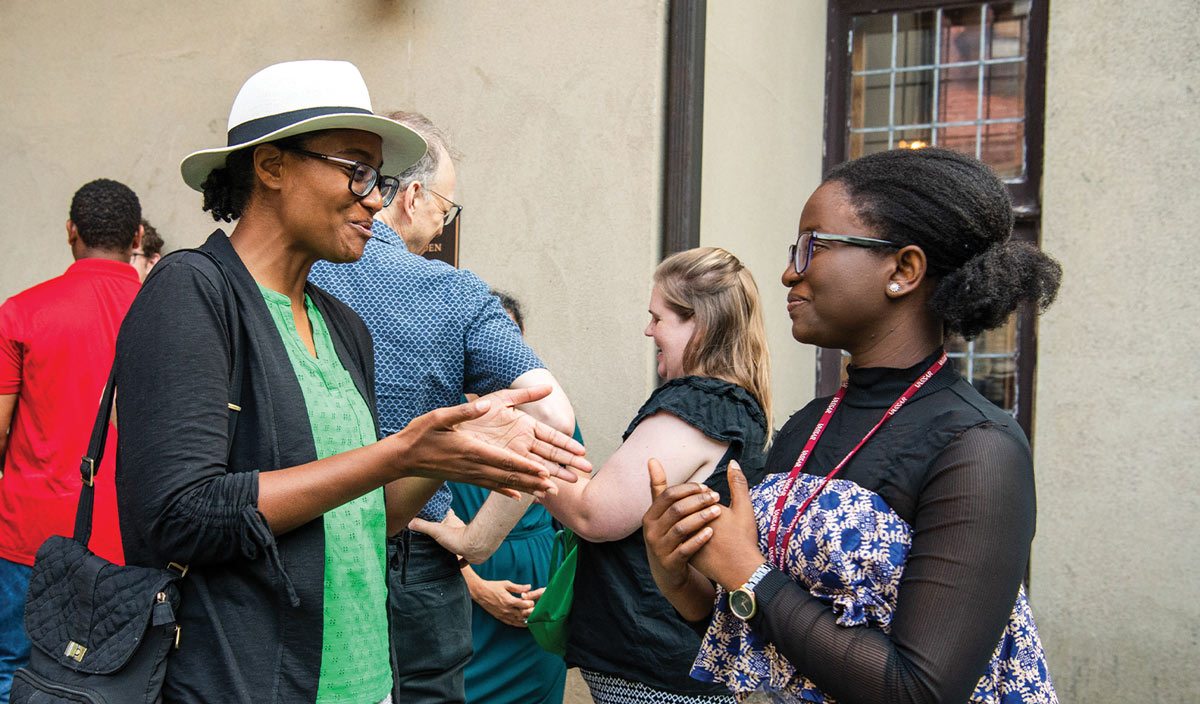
pixel 402 146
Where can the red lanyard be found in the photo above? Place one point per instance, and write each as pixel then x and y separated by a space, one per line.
pixel 777 555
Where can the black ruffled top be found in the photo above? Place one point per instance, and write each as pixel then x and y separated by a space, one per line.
pixel 620 623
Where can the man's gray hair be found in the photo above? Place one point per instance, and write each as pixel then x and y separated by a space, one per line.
pixel 426 167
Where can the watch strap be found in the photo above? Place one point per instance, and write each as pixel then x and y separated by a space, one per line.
pixel 763 570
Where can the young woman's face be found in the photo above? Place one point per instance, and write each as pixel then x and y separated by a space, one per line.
pixel 320 213
pixel 840 300
pixel 671 334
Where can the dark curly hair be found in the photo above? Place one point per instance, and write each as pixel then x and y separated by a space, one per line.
pixel 513 306
pixel 227 189
pixel 959 213
pixel 107 214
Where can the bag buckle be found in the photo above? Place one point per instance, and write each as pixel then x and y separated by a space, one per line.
pixel 181 569
pixel 91 470
pixel 75 651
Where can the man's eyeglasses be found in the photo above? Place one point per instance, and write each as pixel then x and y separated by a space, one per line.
pixel 363 177
pixel 454 210
pixel 800 254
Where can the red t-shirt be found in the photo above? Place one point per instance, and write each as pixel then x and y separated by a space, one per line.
pixel 57 342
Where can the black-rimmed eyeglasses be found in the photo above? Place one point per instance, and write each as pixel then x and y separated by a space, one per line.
pixel 452 213
pixel 363 177
pixel 800 254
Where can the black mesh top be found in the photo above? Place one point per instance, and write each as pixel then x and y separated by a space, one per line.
pixel 959 471
pixel 620 622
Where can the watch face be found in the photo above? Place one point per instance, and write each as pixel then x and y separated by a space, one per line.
pixel 741 603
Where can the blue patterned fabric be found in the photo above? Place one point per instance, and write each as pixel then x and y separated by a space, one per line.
pixel 849 549
pixel 438 332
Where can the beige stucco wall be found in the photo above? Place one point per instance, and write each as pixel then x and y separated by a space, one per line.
pixel 1117 558
pixel 764 92
pixel 557 108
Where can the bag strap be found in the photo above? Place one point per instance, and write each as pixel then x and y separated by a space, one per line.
pixel 564 540
pixel 90 463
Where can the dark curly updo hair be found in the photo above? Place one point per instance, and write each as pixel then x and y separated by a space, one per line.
pixel 227 189
pixel 959 213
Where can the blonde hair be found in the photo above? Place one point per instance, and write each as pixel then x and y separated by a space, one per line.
pixel 729 342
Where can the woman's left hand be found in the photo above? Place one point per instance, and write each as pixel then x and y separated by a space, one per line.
pixel 731 554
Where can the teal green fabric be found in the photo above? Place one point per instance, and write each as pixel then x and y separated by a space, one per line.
pixel 508 666
pixel 355 662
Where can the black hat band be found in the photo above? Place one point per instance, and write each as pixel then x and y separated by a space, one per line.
pixel 261 126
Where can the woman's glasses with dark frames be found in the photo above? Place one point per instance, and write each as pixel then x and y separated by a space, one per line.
pixel 800 254
pixel 363 177
pixel 454 210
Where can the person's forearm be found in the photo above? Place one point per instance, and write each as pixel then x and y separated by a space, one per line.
pixel 491 524
pixel 474 582
pixel 693 598
pixel 405 499
pixel 289 498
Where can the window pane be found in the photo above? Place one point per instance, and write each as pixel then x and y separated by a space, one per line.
pixel 1004 91
pixel 914 98
pixel 989 363
pixel 1002 340
pixel 870 98
pixel 960 34
pixel 958 95
pixel 960 138
pixel 996 379
pixel 864 143
pixel 872 47
pixel 1003 148
pixel 1008 32
pixel 915 38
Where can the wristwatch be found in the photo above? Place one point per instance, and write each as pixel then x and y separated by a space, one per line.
pixel 741 600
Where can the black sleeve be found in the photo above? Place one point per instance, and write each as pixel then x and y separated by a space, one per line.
pixel 177 499
pixel 970 545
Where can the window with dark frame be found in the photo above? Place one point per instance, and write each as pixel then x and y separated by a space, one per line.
pixel 968 76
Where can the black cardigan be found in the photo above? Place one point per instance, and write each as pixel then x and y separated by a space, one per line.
pixel 251 614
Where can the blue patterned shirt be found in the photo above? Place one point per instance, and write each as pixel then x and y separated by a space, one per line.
pixel 438 331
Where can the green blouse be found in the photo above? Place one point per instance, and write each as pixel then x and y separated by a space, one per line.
pixel 355 660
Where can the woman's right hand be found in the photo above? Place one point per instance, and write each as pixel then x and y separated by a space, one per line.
pixel 491 444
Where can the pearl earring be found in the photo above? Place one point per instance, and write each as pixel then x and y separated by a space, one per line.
pixel 893 288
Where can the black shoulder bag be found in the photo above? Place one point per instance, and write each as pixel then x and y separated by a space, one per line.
pixel 101 632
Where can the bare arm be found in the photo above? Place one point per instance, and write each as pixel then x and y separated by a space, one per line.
pixel 487 443
pixel 477 540
pixel 8 404
pixel 554 410
pixel 610 505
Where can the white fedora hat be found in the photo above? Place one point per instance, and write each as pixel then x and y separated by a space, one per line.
pixel 304 96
